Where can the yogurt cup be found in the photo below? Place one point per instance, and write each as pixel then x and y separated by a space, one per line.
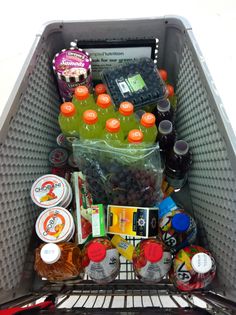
pixel 72 68
pixel 49 191
pixel 55 225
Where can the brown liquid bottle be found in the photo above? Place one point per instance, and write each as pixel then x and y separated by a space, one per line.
pixel 57 262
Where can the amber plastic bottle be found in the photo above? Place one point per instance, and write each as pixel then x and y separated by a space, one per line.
pixel 57 262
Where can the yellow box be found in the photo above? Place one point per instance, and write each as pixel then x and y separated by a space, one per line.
pixel 132 221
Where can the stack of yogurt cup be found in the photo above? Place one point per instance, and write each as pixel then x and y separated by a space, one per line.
pixel 53 193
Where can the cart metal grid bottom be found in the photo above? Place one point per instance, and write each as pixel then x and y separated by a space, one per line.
pixel 120 298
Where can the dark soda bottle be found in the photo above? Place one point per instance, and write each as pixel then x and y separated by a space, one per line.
pixel 163 111
pixel 166 135
pixel 178 162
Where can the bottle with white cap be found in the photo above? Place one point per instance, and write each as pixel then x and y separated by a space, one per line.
pixel 177 165
pixel 193 268
pixel 58 262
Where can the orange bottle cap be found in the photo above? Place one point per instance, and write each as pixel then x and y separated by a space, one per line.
pixel 67 109
pixel 90 117
pixel 112 125
pixel 103 100
pixel 148 120
pixel 96 252
pixel 135 136
pixel 100 89
pixel 153 252
pixel 126 108
pixel 81 93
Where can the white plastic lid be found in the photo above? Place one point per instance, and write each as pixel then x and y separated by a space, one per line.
pixel 165 127
pixel 48 191
pixel 50 253
pixel 54 225
pixel 201 263
pixel 181 147
pixel 163 106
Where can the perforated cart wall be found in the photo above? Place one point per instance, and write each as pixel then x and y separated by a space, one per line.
pixel 28 129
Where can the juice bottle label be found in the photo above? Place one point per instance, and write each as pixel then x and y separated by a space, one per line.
pixel 177 240
pixel 184 275
pixel 156 271
pixel 106 268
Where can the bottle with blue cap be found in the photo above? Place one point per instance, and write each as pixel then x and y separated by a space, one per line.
pixel 178 229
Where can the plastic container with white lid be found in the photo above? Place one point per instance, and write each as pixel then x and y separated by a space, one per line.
pixel 50 191
pixel 55 225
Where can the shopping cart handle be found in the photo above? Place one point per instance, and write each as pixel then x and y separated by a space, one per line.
pixel 34 309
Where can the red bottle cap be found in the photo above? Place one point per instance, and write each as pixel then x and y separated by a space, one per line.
pixel 112 125
pixel 81 93
pixel 96 252
pixel 104 100
pixel 100 89
pixel 135 136
pixel 153 252
pixel 148 120
pixel 126 108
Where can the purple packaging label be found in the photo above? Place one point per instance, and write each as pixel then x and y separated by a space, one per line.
pixel 72 68
pixel 67 88
pixel 72 63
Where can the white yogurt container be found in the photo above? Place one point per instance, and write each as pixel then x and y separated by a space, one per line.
pixel 55 225
pixel 51 190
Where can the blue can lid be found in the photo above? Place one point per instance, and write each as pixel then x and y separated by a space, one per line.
pixel 180 222
pixel 167 205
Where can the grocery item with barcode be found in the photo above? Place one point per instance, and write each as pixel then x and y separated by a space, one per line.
pixel 101 260
pixel 137 82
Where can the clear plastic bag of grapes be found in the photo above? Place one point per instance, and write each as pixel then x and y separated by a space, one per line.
pixel 120 176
